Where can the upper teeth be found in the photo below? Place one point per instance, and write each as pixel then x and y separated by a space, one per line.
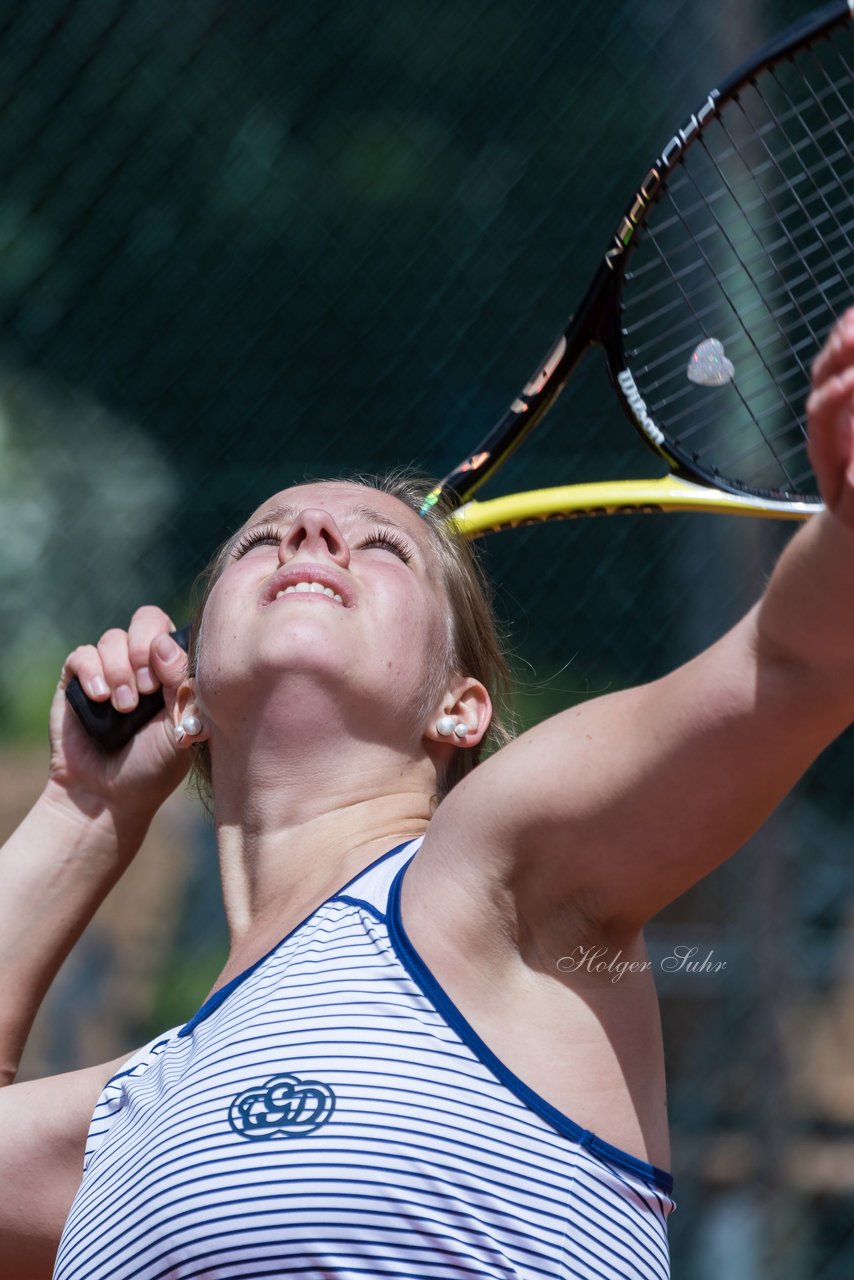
pixel 310 586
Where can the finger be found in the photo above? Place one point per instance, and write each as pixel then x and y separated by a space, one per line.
pixel 85 663
pixel 830 447
pixel 168 661
pixel 827 403
pixel 118 672
pixel 837 353
pixel 147 623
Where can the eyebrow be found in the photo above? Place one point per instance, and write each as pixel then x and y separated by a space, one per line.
pixel 276 513
pixel 368 513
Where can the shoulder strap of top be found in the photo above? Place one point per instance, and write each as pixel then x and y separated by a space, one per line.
pixel 372 885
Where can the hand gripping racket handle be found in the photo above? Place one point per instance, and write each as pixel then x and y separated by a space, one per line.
pixel 112 729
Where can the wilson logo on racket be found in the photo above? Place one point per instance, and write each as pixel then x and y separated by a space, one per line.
pixel 637 404
pixel 283 1107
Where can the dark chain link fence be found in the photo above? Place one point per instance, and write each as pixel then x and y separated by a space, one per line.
pixel 242 244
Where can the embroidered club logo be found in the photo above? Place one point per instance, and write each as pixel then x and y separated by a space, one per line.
pixel 283 1107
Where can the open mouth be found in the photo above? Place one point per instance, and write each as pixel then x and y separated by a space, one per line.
pixel 309 588
pixel 309 581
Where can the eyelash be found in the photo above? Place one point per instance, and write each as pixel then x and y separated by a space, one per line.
pixel 391 541
pixel 253 536
pixel 379 537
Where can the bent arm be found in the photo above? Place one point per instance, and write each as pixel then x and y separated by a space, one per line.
pixel 621 804
pixel 617 807
pixel 55 870
pixel 85 828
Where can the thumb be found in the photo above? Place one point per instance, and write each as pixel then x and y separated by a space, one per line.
pixel 169 661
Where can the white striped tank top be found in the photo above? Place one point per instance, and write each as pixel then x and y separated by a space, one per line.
pixel 330 1114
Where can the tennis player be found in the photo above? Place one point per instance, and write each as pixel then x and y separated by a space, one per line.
pixel 397 1073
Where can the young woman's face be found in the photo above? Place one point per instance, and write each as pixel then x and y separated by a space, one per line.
pixel 329 588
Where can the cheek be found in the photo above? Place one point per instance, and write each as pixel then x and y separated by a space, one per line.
pixel 419 647
pixel 235 593
pixel 219 631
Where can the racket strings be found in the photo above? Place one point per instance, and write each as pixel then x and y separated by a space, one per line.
pixel 776 303
pixel 762 301
pixel 720 229
pixel 682 417
pixel 753 245
pixel 790 287
pixel 747 263
pixel 766 300
pixel 753 209
pixel 813 222
pixel 752 313
pixel 846 116
pixel 806 314
pixel 757 229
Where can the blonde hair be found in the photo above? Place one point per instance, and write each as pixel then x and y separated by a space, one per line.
pixel 474 647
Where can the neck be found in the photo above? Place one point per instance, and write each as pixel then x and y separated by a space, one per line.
pixel 294 825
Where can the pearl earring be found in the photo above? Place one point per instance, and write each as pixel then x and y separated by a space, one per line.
pixel 447 725
pixel 188 728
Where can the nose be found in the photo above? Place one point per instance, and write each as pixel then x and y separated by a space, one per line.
pixel 314 531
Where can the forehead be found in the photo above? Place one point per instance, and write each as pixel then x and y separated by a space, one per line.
pixel 348 504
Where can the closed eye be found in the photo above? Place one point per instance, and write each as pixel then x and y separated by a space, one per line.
pixel 252 537
pixel 389 541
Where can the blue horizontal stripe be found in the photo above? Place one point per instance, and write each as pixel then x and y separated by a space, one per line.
pixel 302 1234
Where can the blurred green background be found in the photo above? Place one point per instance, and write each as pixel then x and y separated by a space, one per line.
pixel 245 244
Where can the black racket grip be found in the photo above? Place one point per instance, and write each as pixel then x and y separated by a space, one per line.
pixel 112 729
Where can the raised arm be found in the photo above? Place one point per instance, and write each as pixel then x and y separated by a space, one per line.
pixel 55 869
pixel 617 806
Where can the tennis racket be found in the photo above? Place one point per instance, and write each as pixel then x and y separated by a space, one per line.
pixel 716 289
pixel 719 284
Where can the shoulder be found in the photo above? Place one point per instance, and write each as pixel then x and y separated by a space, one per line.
pixel 470 882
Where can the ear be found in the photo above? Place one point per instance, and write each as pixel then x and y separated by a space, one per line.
pixel 469 706
pixel 187 704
